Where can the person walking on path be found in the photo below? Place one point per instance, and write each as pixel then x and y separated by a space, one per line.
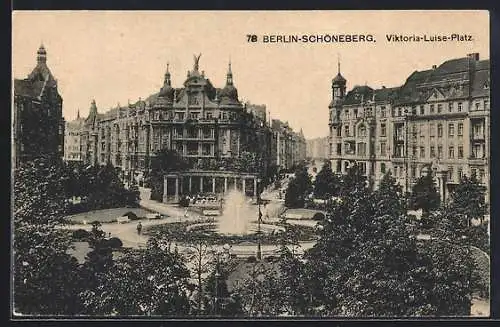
pixel 139 228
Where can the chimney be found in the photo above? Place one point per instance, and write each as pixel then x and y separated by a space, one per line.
pixel 474 56
pixel 434 66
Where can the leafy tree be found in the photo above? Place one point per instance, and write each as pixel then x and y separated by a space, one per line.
pixel 219 301
pixel 327 183
pixel 468 199
pixel 164 162
pixel 425 195
pixel 298 188
pixel 42 285
pixel 151 281
pixel 368 262
pixel 259 290
pixel 353 182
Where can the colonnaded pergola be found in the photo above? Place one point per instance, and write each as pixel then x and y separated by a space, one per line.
pixel 217 182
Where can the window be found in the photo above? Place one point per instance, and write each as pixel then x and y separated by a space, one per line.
pixel 440 130
pixel 414 151
pixel 422 110
pixel 440 152
pixel 451 152
pixel 451 129
pixel 382 112
pixel 450 107
pixel 440 108
pixel 477 130
pixel 431 130
pixel 478 106
pixel 361 149
pixel 339 149
pixel 481 175
pixel 209 115
pixel 459 107
pixel 355 113
pixel 413 171
pixel 460 152
pixel 362 167
pixel 478 151
pixel 421 127
pixel 431 108
pixel 486 104
pixel 382 149
pixel 362 130
pixel 382 168
pixel 422 152
pixel 346 128
pixel 450 173
pixel 399 112
pixel 339 131
pixel 460 173
pixel 433 152
pixel 460 129
pixel 369 112
pixel 346 165
pixel 346 113
pixel 383 129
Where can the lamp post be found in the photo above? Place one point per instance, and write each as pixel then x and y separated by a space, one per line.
pixel 259 252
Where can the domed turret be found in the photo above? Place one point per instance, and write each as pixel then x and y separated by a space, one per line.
pixel 229 92
pixel 339 79
pixel 167 90
pixel 41 55
pixel 338 87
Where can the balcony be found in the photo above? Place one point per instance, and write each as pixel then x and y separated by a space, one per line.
pixel 473 160
pixel 478 137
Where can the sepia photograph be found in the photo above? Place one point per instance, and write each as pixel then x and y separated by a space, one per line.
pixel 250 164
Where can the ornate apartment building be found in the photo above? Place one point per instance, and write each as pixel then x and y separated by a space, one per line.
pixel 438 119
pixel 72 139
pixel 38 123
pixel 288 147
pixel 205 124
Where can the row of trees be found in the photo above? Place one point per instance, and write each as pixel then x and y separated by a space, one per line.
pixel 368 261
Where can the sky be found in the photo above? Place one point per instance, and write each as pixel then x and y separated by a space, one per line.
pixel 117 56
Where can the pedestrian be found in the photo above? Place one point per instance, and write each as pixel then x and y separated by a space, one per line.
pixel 139 228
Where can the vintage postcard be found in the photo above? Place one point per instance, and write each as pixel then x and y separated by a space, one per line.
pixel 250 164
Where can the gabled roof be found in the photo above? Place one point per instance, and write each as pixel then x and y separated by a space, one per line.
pixel 386 93
pixel 358 94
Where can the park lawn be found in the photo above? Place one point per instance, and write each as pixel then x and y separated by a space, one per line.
pixel 106 215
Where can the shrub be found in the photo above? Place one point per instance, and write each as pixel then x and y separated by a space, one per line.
pixel 251 259
pixel 114 243
pixel 131 215
pixel 184 202
pixel 80 234
pixel 270 258
pixel 318 216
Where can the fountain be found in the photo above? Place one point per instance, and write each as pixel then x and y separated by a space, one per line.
pixel 237 215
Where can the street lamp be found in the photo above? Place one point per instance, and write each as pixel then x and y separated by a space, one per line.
pixel 259 252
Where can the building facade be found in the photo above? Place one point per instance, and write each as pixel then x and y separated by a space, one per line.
pixel 208 126
pixel 38 123
pixel 318 148
pixel 288 147
pixel 438 119
pixel 72 140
